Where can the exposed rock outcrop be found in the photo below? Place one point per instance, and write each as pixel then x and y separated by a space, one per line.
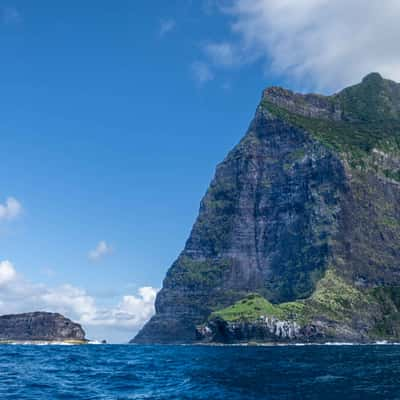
pixel 264 329
pixel 314 186
pixel 40 326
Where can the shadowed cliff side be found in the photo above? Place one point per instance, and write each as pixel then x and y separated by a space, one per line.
pixel 314 184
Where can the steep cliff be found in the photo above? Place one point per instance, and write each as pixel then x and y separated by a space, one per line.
pixel 305 214
pixel 40 326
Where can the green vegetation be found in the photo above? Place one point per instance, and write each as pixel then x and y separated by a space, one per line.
pixel 395 175
pixel 200 273
pixel 214 225
pixel 387 296
pixel 388 299
pixel 353 140
pixel 333 298
pixel 370 119
pixel 255 306
pixel 373 100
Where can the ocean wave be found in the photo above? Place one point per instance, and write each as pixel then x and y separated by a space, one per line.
pixel 200 372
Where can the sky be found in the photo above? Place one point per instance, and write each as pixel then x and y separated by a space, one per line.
pixel 114 116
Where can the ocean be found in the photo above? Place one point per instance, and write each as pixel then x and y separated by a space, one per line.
pixel 199 372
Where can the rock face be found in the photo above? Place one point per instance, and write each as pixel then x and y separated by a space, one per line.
pixel 305 206
pixel 264 329
pixel 39 326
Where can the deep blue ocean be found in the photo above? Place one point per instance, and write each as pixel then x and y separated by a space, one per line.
pixel 199 372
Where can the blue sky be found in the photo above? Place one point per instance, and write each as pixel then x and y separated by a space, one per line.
pixel 113 117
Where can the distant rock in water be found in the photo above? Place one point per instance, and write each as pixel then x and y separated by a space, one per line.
pixel 298 235
pixel 40 326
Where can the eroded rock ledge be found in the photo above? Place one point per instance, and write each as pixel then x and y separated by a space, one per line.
pixel 307 105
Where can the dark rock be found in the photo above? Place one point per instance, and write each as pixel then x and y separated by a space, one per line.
pixel 307 105
pixel 39 326
pixel 266 329
pixel 314 184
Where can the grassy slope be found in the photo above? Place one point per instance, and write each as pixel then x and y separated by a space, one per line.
pixel 334 299
pixel 254 306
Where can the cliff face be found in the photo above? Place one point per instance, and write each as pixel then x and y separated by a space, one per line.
pixel 39 326
pixel 307 204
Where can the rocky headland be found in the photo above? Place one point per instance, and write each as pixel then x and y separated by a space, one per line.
pixel 298 235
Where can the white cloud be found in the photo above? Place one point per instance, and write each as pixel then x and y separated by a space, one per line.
pixel 102 249
pixel 202 72
pixel 167 26
pixel 7 272
pixel 131 312
pixel 10 210
pixel 120 321
pixel 69 299
pixel 319 44
pixel 223 53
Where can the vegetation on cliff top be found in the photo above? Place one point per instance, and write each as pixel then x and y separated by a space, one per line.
pixel 373 100
pixel 354 140
pixel 370 120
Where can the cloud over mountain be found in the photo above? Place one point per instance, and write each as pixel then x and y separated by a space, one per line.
pixel 320 44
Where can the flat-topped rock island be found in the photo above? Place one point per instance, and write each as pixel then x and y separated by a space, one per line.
pixel 40 327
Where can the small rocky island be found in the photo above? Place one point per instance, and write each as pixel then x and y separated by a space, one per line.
pixel 38 327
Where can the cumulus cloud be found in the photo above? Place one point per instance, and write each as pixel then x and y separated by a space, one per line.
pixel 202 72
pixel 68 299
pixel 166 26
pixel 10 210
pixel 130 313
pixel 20 295
pixel 102 249
pixel 7 272
pixel 319 44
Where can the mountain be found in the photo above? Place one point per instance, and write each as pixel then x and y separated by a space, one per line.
pixel 40 326
pixel 298 235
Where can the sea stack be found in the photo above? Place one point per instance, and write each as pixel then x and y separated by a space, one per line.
pixel 298 235
pixel 40 327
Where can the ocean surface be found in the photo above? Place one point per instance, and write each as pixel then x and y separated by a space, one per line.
pixel 199 372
